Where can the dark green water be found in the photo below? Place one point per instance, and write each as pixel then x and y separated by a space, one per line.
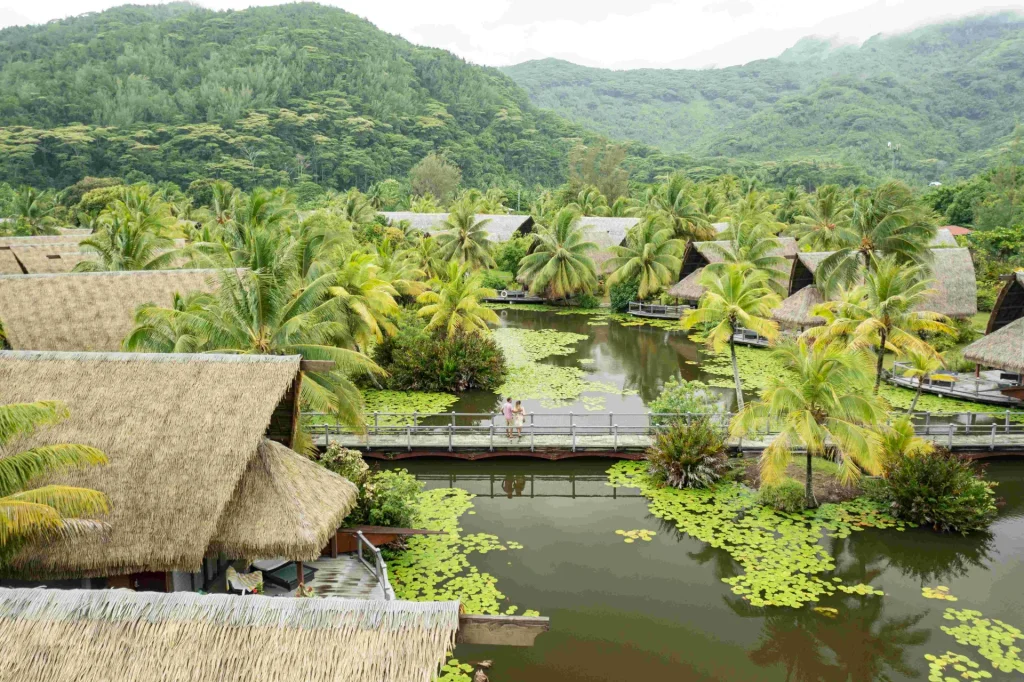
pixel 658 610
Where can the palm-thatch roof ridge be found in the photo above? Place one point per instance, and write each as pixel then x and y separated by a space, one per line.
pixel 125 636
pixel 87 311
pixel 184 435
pixel 499 228
pixel 607 232
pixel 943 238
pixel 65 237
pixel 1003 348
pixel 795 311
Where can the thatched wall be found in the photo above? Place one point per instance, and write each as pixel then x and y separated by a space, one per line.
pixel 1003 348
pixel 87 311
pixel 124 636
pixel 179 430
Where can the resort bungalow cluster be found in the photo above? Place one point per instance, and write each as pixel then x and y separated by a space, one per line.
pixel 208 499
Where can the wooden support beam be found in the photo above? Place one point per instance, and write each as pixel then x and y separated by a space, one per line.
pixel 501 630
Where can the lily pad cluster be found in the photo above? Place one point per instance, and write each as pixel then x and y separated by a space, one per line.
pixel 782 560
pixel 963 666
pixel 940 592
pixel 995 640
pixel 630 536
pixel 404 402
pixel 455 671
pixel 437 567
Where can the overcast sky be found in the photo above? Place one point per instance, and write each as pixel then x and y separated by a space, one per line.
pixel 609 33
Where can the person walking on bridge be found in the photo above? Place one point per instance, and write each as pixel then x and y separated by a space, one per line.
pixel 507 410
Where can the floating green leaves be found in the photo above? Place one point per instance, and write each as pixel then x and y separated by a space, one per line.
pixel 630 536
pixel 994 639
pixel 967 669
pixel 404 402
pixel 454 671
pixel 437 568
pixel 826 611
pixel 940 592
pixel 553 385
pixel 780 553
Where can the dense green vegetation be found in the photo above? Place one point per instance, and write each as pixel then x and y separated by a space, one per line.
pixel 946 94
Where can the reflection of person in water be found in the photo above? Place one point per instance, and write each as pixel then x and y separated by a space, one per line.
pixel 514 485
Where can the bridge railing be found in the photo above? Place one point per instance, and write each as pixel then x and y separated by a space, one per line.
pixel 657 309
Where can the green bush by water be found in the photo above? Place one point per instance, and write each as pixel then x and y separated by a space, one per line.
pixel 621 294
pixel 937 489
pixel 786 496
pixel 689 455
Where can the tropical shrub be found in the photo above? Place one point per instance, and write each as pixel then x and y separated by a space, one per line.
pixel 622 293
pixel 937 489
pixel 955 361
pixel 689 455
pixel 587 300
pixel 419 361
pixel 388 498
pixel 508 254
pixel 786 496
pixel 496 279
pixel 680 396
pixel 347 463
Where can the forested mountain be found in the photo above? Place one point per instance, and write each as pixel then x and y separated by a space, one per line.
pixel 947 94
pixel 265 95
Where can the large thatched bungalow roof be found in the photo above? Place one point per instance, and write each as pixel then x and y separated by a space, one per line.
pixel 1009 305
pixel 189 466
pixel 36 259
pixel 124 636
pixel 698 255
pixel 87 311
pixel 943 237
pixel 499 228
pixel 1003 344
pixel 64 242
pixel 606 233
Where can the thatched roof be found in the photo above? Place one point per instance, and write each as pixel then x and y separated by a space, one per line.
pixel 607 232
pixel 124 636
pixel 795 311
pixel 36 259
pixel 1003 348
pixel 499 228
pixel 943 237
pixel 1009 304
pixel 955 284
pixel 184 435
pixel 71 236
pixel 700 254
pixel 87 311
pixel 688 287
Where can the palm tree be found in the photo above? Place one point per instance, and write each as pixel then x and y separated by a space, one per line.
pixel 355 207
pixel 428 257
pixel 131 234
pixel 33 212
pixel 825 221
pixel 738 296
pixel 920 365
pixel 688 221
pixel 590 202
pixel 623 207
pixel 157 332
pixel 367 301
pixel 560 265
pixel 399 268
pixel 820 404
pixel 756 246
pixel 465 239
pixel 884 313
pixel 425 204
pixel 898 440
pixel 888 222
pixel 457 305
pixel 791 203
pixel 650 255
pixel 30 514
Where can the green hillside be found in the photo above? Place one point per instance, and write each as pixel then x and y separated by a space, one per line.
pixel 947 94
pixel 177 92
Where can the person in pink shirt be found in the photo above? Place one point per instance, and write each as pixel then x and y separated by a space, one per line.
pixel 507 409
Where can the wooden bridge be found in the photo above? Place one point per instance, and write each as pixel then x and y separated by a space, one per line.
pixel 624 435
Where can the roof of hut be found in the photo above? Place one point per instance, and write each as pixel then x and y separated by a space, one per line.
pixel 795 311
pixel 705 253
pixel 184 436
pixel 607 232
pixel 943 237
pixel 87 311
pixel 36 259
pixel 1003 348
pixel 1009 304
pixel 70 236
pixel 956 291
pixel 499 228
pixel 125 636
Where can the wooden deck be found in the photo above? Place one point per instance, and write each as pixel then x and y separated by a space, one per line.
pixel 985 389
pixel 659 312
pixel 506 296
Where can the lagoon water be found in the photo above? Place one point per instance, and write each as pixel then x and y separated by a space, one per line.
pixel 658 610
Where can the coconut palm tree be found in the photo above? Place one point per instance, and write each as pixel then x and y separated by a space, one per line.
pixel 921 363
pixel 887 221
pixel 465 239
pixel 356 208
pixel 820 404
pixel 428 257
pixel 824 223
pixel 457 304
pixel 755 245
pixel 884 313
pixel 737 296
pixel 623 207
pixel 425 204
pixel 33 212
pixel 367 300
pixel 590 202
pixel 650 255
pixel 898 440
pixel 399 268
pixel 560 265
pixel 675 201
pixel 157 332
pixel 31 514
pixel 131 234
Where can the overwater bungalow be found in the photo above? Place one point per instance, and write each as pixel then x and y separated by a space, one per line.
pixel 499 228
pixel 200 468
pixel 123 636
pixel 1002 347
pixel 87 311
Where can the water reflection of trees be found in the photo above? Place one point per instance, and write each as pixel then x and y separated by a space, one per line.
pixel 649 356
pixel 924 556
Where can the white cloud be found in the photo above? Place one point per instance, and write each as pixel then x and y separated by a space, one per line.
pixel 609 33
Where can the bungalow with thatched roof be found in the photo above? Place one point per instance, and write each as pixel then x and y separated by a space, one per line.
pixel 699 255
pixel 1003 344
pixel 36 259
pixel 65 242
pixel 943 237
pixel 499 228
pixel 199 463
pixel 87 311
pixel 954 283
pixel 606 233
pixel 123 636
